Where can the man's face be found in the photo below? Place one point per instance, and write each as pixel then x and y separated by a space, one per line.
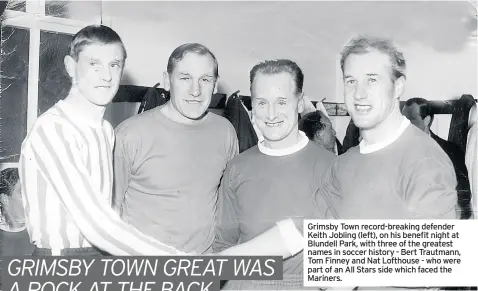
pixel 326 137
pixel 369 91
pixel 12 208
pixel 412 112
pixel 97 73
pixel 191 85
pixel 276 107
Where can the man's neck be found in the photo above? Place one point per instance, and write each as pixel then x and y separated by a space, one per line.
pixel 384 130
pixel 94 113
pixel 172 114
pixel 291 140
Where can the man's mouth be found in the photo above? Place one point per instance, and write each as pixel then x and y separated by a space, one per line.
pixel 193 101
pixel 362 108
pixel 103 87
pixel 274 124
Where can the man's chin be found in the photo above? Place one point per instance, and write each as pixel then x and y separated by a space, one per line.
pixel 362 123
pixel 196 116
pixel 273 138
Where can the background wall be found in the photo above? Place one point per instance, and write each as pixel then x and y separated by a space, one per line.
pixel 434 36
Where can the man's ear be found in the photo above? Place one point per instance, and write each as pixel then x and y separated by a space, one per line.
pixel 300 104
pixel 70 66
pixel 216 85
pixel 399 87
pixel 167 84
pixel 318 137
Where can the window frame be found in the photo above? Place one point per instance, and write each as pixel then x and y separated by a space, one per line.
pixel 35 20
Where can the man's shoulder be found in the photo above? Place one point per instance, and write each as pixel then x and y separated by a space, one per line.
pixel 50 125
pixel 422 149
pixel 137 121
pixel 417 142
pixel 247 155
pixel 319 153
pixel 52 118
pixel 351 152
pixel 220 121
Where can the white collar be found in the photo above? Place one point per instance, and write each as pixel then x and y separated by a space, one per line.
pixel 303 141
pixel 367 149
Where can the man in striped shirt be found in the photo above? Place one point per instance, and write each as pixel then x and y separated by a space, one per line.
pixel 66 166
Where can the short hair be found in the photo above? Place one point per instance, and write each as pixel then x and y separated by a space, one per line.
pixel 424 108
pixel 196 48
pixel 361 45
pixel 273 67
pixel 311 124
pixel 93 34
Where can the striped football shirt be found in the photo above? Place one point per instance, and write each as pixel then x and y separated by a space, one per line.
pixel 66 175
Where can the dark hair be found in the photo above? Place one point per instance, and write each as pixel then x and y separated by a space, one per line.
pixel 424 108
pixel 94 34
pixel 311 123
pixel 180 52
pixel 8 181
pixel 272 67
pixel 361 45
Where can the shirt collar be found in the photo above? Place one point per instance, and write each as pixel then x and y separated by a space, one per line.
pixel 77 115
pixel 303 141
pixel 367 149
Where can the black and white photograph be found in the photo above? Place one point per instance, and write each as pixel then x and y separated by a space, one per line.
pixel 219 128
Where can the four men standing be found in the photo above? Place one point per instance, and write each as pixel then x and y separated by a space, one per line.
pixel 169 161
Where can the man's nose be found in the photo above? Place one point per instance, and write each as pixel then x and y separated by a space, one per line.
pixel 106 73
pixel 272 113
pixel 195 89
pixel 360 93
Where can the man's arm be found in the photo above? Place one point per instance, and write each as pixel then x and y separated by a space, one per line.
pixel 430 189
pixel 227 215
pixel 122 162
pixel 233 144
pixel 53 152
pixel 283 239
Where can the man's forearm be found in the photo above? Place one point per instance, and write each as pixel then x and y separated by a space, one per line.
pixel 280 240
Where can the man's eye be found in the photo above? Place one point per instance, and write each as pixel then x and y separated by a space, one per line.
pixel 184 78
pixel 350 82
pixel 372 80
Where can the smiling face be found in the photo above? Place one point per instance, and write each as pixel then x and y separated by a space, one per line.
pixel 370 93
pixel 191 85
pixel 276 106
pixel 97 73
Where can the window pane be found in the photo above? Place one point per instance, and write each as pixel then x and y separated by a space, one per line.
pixel 17 5
pixel 78 10
pixel 54 82
pixel 13 91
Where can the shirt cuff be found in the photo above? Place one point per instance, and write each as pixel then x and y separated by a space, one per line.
pixel 291 236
